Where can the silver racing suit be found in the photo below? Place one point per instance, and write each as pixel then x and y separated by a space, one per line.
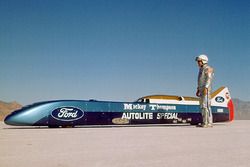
pixel 205 77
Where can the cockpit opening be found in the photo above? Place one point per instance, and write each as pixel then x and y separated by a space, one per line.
pixel 142 100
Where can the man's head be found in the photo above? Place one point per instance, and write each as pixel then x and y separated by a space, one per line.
pixel 201 60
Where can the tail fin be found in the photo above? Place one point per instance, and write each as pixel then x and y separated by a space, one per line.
pixel 222 98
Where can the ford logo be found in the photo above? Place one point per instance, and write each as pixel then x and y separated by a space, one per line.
pixel 67 114
pixel 219 99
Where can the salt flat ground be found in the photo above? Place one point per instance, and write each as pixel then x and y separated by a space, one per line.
pixel 223 145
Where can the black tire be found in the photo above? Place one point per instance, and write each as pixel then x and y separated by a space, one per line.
pixel 53 126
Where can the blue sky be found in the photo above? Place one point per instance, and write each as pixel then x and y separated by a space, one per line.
pixel 120 49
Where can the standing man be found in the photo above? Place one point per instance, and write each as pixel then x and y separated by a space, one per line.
pixel 204 90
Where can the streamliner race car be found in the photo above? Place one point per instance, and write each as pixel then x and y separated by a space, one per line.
pixel 155 109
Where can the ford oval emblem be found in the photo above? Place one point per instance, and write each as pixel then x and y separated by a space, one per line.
pixel 219 99
pixel 67 114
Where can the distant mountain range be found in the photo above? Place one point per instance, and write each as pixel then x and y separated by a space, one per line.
pixel 6 108
pixel 242 109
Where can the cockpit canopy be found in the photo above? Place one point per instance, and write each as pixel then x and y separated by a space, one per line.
pixel 165 99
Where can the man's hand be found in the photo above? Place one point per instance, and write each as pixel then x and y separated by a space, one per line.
pixel 198 94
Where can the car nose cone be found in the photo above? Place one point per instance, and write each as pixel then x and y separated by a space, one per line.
pixel 11 120
pixel 16 119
